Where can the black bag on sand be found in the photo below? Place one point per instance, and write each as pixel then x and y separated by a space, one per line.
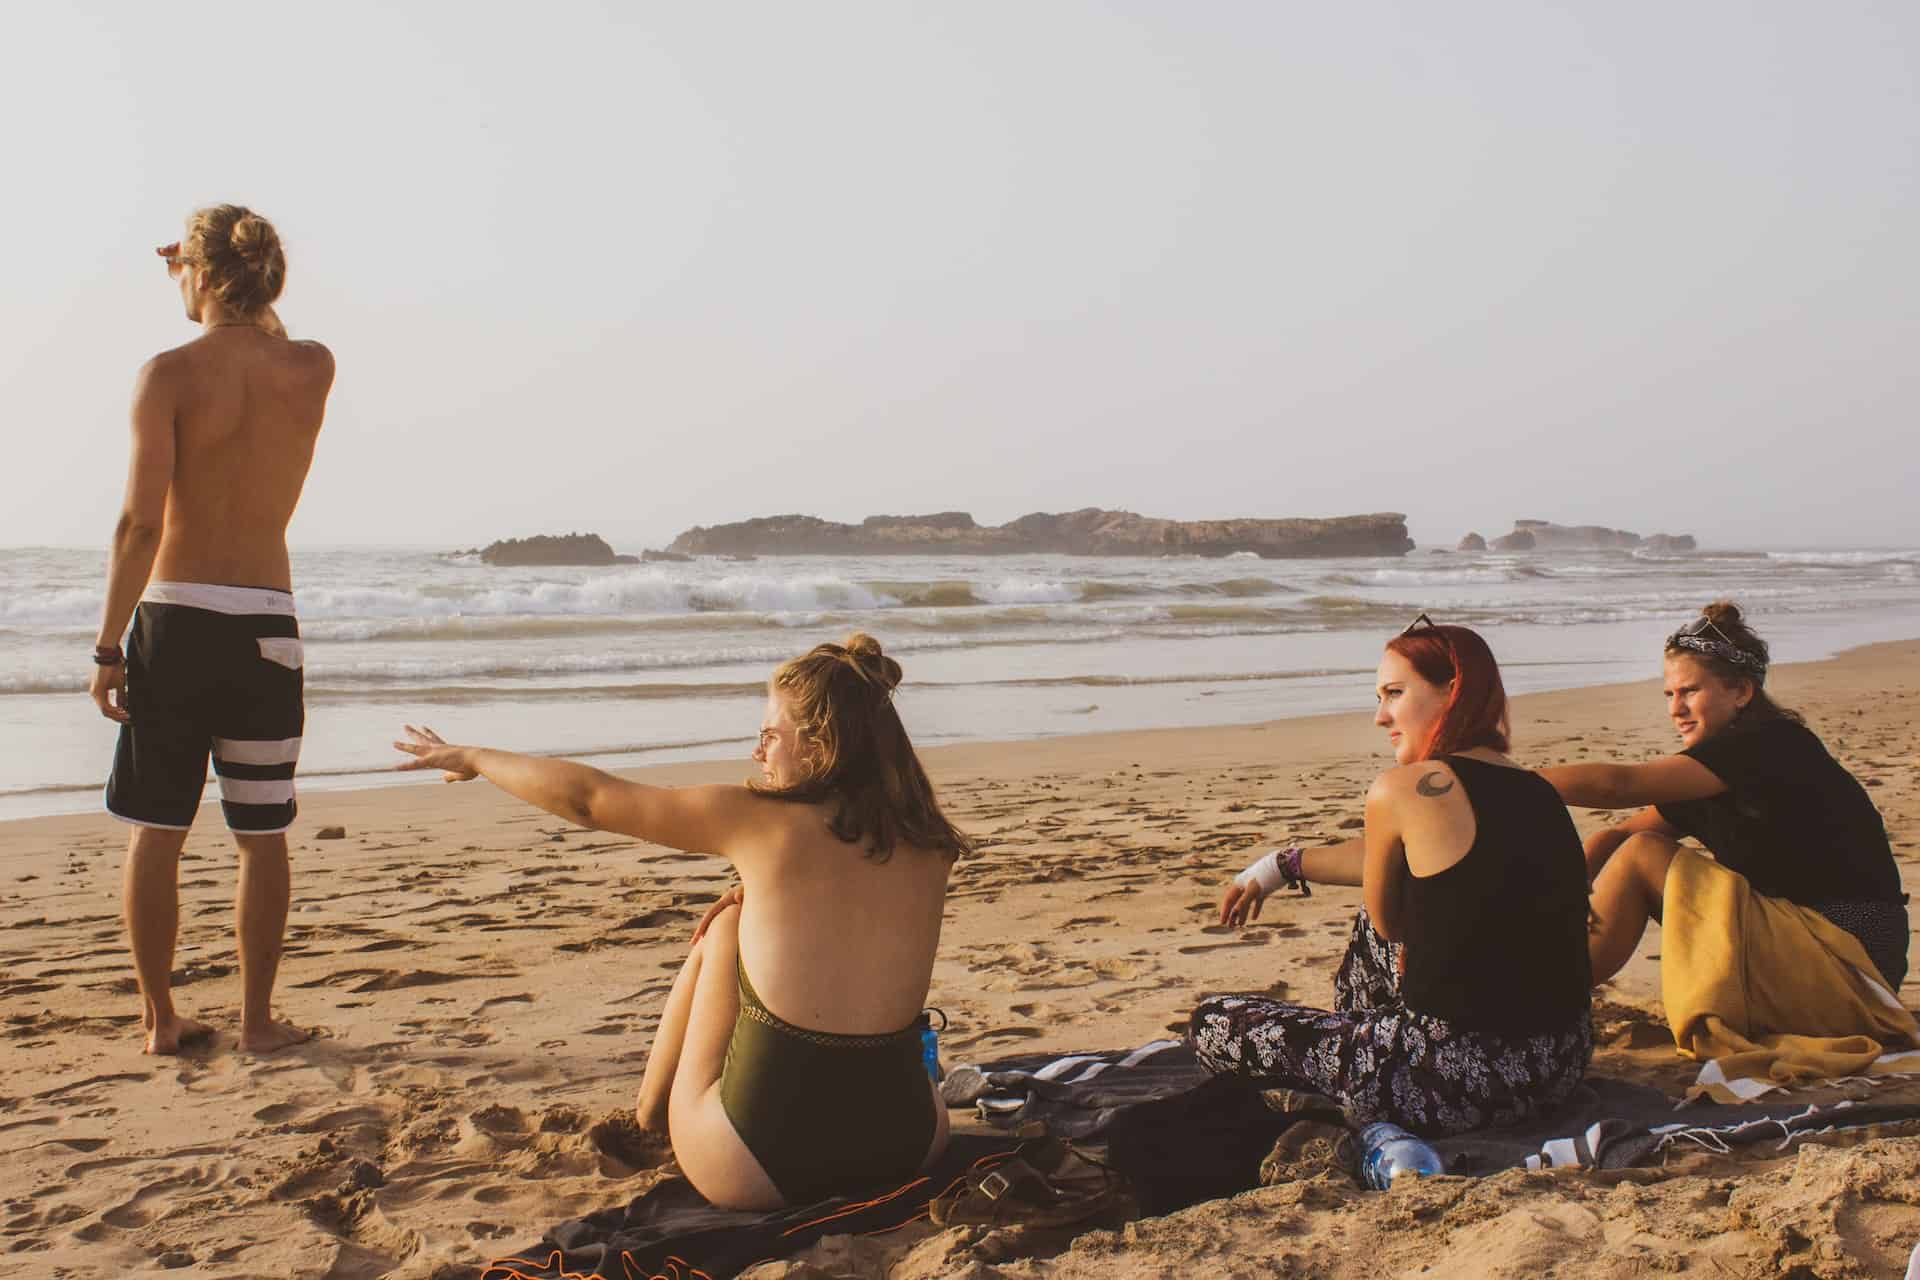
pixel 1202 1144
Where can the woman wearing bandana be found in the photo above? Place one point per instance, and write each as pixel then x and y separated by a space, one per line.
pixel 1755 786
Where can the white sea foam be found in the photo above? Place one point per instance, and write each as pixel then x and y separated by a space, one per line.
pixel 1845 558
pixel 1027 591
pixel 26 606
pixel 590 655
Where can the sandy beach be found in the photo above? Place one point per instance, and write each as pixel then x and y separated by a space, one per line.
pixel 486 979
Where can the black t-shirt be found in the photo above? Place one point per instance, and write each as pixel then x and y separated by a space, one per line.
pixel 1792 821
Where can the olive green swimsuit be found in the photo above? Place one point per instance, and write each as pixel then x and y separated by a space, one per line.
pixel 825 1113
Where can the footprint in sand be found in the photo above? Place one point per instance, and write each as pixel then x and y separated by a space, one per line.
pixel 1245 940
pixel 1118 969
pixel 998 1033
pixel 360 981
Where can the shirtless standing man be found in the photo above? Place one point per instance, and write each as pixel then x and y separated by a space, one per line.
pixel 223 433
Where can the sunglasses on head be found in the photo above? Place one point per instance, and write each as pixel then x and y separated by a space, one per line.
pixel 1419 623
pixel 1701 625
pixel 1702 636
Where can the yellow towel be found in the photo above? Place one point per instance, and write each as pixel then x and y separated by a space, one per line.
pixel 1771 993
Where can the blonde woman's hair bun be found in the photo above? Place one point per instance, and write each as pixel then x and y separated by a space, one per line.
pixel 875 667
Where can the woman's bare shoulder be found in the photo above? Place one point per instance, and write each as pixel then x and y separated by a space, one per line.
pixel 1423 779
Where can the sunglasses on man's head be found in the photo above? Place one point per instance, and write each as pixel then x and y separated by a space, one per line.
pixel 1701 625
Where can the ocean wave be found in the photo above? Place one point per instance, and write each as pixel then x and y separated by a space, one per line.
pixel 1439 576
pixel 1093 592
pixel 941 594
pixel 636 592
pixel 1253 615
pixel 69 607
pixel 1243 587
pixel 653 597
pixel 1353 608
pixel 1027 591
pixel 1844 559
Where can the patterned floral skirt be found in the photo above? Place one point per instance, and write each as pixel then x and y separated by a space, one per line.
pixel 1383 1061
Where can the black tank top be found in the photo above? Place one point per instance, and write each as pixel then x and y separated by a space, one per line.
pixel 1498 941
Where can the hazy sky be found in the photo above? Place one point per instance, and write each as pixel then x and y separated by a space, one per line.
pixel 632 267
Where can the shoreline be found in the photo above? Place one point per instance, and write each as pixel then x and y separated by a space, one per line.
pixel 966 754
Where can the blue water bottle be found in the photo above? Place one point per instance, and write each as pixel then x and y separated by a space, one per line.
pixel 1389 1153
pixel 930 1043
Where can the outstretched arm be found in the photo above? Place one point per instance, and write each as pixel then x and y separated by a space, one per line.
pixel 1626 786
pixel 705 819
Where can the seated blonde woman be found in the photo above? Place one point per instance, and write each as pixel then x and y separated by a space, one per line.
pixel 804 1079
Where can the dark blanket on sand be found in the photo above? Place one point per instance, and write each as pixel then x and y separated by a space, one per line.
pixel 671 1231
pixel 1178 1135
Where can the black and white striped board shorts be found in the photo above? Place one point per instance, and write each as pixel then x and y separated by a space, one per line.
pixel 211 670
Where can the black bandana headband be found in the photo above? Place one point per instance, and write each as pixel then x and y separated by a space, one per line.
pixel 1720 649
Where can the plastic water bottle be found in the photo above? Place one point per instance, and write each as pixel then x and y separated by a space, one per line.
pixel 930 1043
pixel 1389 1153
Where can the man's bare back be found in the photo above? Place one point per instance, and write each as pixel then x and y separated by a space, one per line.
pixel 223 435
pixel 247 408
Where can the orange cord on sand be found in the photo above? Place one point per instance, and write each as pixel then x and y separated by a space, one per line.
pixel 681 1269
pixel 684 1270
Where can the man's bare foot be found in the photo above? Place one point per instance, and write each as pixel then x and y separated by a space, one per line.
pixel 174 1034
pixel 273 1037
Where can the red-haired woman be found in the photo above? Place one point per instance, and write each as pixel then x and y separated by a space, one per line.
pixel 1463 1000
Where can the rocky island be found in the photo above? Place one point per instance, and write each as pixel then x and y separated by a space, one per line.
pixel 1545 535
pixel 1088 532
pixel 548 549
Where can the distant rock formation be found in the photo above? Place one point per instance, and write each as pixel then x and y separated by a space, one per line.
pixel 546 549
pixel 1089 532
pixel 1545 535
pixel 650 556
pixel 1472 542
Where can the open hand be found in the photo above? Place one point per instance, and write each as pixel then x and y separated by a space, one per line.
pixel 1241 903
pixel 430 751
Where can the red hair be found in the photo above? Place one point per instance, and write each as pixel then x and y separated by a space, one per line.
pixel 1476 710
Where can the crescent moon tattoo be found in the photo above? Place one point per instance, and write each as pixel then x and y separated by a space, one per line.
pixel 1426 786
